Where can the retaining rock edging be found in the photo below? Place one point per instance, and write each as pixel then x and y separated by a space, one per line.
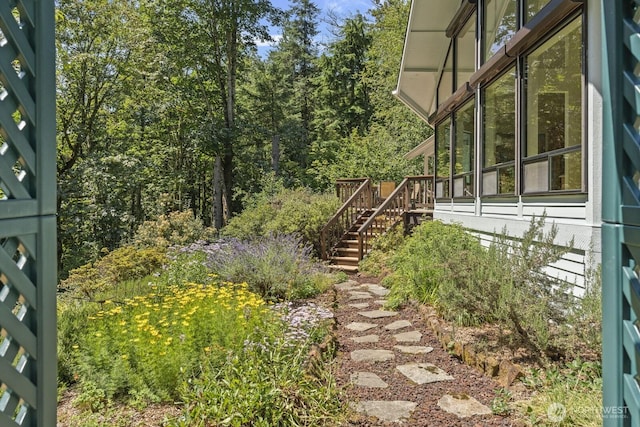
pixel 505 371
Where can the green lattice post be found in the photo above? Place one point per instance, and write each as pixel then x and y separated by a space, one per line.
pixel 28 366
pixel 621 212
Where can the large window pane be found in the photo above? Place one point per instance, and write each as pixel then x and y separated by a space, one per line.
pixel 499 136
pixel 464 150
pixel 445 87
pixel 533 7
pixel 554 92
pixel 500 25
pixel 443 162
pixel 466 52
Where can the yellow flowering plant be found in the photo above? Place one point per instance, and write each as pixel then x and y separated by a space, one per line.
pixel 149 344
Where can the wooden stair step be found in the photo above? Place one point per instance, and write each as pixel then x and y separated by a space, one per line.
pixel 345 260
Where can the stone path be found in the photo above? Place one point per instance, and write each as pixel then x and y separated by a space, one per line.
pixel 393 376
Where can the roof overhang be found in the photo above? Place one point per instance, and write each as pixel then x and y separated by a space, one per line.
pixel 425 49
pixel 426 147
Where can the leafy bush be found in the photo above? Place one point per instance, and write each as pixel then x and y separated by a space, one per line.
pixel 298 211
pixel 275 267
pixel 265 385
pixel 145 348
pixel 173 229
pixel 493 284
pixel 376 262
pixel 469 284
pixel 123 264
pixel 435 253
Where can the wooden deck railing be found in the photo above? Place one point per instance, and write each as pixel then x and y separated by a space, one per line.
pixel 359 201
pixel 415 193
pixel 345 187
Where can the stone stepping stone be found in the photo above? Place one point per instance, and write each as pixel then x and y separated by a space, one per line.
pixel 347 286
pixel 354 295
pixel 381 291
pixel 413 336
pixel 395 411
pixel 380 301
pixel 423 373
pixel 378 314
pixel 360 327
pixel 366 339
pixel 398 324
pixel 368 379
pixel 372 355
pixel 360 305
pixel 413 349
pixel 462 405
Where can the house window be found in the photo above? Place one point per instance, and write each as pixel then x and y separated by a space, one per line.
pixel 445 87
pixel 466 52
pixel 532 7
pixel 499 136
pixel 500 24
pixel 553 91
pixel 464 150
pixel 443 158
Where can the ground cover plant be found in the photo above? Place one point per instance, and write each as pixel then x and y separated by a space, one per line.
pixel 183 335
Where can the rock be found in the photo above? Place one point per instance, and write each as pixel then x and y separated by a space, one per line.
pixel 368 379
pixel 508 373
pixel 359 305
pixel 423 373
pixel 399 324
pixel 347 286
pixel 355 295
pixel 395 411
pixel 469 355
pixel 413 349
pixel 462 405
pixel 413 336
pixel 491 366
pixel 372 355
pixel 378 314
pixel 366 339
pixel 360 327
pixel 381 291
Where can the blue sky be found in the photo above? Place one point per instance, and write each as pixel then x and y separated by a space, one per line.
pixel 340 8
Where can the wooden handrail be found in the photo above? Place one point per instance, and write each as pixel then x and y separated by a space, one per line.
pixel 345 187
pixel 348 214
pixel 414 192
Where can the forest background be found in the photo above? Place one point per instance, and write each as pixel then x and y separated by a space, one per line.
pixel 166 105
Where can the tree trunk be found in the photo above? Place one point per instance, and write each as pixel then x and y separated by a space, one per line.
pixel 218 190
pixel 275 153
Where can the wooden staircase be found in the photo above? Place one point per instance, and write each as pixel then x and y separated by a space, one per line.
pixel 349 234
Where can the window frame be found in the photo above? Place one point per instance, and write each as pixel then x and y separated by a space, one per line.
pixel 550 20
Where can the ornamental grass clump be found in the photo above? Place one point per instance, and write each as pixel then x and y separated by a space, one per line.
pixel 275 266
pixel 143 349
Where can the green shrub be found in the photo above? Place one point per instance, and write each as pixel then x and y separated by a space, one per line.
pixel 434 254
pixel 275 266
pixel 298 211
pixel 376 263
pixel 106 274
pixel 494 283
pixel 173 229
pixel 143 349
pixel 266 385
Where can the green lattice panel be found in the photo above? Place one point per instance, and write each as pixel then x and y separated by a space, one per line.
pixel 27 214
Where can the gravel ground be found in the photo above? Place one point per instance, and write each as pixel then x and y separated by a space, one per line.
pixel 468 381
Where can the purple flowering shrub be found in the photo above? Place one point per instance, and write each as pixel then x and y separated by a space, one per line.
pixel 275 266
